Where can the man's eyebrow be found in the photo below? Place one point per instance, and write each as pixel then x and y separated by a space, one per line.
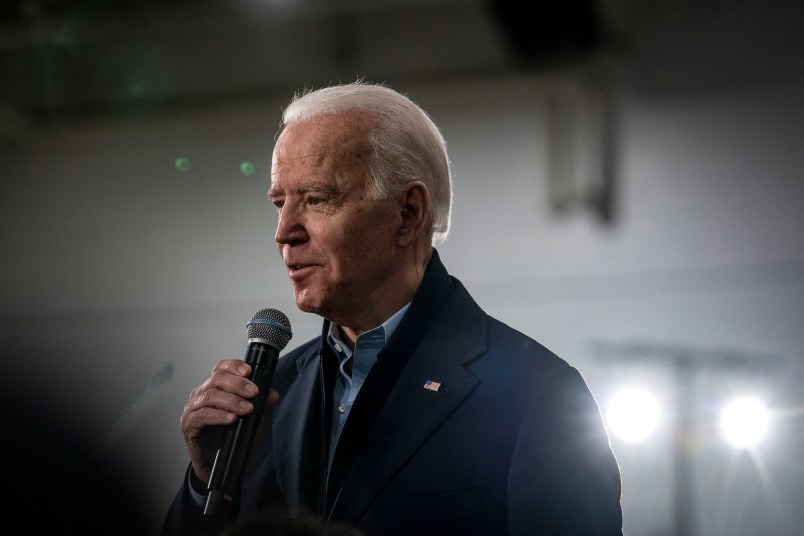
pixel 315 187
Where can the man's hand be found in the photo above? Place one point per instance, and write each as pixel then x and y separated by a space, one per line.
pixel 222 398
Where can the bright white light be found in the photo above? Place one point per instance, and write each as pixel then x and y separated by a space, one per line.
pixel 744 422
pixel 633 415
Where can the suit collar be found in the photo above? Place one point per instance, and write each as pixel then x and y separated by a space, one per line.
pixel 394 413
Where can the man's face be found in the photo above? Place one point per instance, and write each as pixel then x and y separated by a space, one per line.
pixel 338 246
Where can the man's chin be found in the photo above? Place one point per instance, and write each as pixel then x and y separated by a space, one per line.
pixel 307 307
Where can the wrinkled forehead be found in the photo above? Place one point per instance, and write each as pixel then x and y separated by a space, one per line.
pixel 332 141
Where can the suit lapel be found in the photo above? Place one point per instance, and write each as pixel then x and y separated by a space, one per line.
pixel 410 415
pixel 394 413
pixel 298 435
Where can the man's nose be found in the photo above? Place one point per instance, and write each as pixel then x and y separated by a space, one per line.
pixel 290 227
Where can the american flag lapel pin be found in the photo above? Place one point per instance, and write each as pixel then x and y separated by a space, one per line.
pixel 432 386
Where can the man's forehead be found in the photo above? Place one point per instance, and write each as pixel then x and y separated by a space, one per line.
pixel 323 148
pixel 328 130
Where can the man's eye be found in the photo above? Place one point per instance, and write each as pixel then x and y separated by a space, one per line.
pixel 279 203
pixel 314 200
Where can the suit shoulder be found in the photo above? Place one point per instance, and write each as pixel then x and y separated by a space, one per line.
pixel 504 339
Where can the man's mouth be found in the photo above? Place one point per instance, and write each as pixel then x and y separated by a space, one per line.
pixel 294 269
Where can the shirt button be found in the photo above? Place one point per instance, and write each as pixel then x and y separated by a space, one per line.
pixel 338 347
pixel 341 408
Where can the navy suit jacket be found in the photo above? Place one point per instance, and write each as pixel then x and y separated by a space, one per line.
pixel 510 441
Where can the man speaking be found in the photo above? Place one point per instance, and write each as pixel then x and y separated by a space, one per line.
pixel 414 412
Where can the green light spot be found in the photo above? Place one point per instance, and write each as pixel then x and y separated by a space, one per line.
pixel 247 168
pixel 183 164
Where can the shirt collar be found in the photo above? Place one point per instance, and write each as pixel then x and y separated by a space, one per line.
pixel 387 329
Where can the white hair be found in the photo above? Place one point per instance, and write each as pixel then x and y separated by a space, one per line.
pixel 405 143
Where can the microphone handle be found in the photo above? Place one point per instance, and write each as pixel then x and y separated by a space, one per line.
pixel 238 438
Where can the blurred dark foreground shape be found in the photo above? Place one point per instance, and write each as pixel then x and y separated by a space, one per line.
pixel 274 521
pixel 56 481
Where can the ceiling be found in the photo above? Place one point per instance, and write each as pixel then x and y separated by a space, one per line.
pixel 62 56
pixel 68 57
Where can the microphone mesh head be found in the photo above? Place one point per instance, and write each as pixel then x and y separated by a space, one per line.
pixel 270 325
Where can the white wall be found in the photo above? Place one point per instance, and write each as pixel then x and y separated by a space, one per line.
pixel 127 279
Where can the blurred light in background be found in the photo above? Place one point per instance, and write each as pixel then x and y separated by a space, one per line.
pixel 633 415
pixel 247 168
pixel 744 422
pixel 183 164
pixel 671 423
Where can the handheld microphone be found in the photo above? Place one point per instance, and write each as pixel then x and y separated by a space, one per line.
pixel 268 334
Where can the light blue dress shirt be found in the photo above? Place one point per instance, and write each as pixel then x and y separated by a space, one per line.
pixel 367 347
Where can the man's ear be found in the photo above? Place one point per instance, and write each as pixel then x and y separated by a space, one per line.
pixel 414 213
